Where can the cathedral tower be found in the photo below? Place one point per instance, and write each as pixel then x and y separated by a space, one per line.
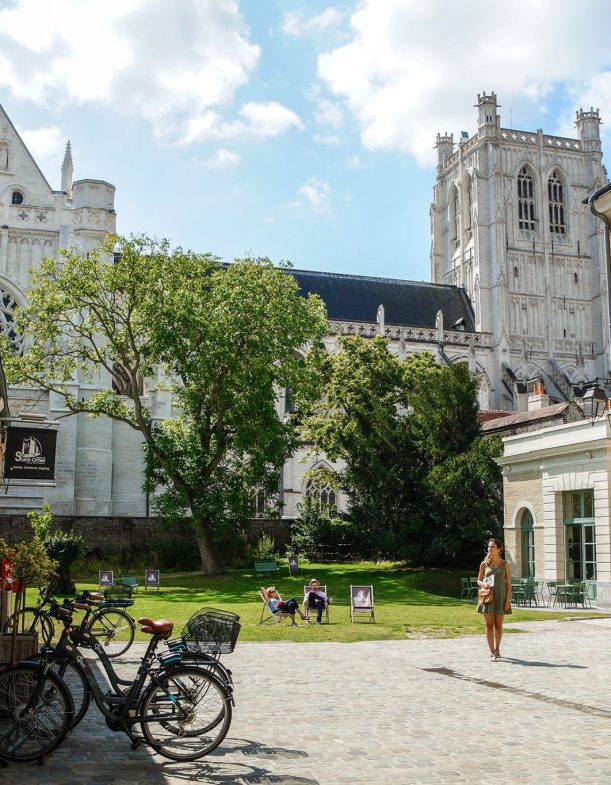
pixel 508 224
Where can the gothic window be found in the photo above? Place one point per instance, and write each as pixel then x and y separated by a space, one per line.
pixel 257 504
pixel 575 278
pixel 8 305
pixel 454 216
pixel 515 272
pixel 555 194
pixel 16 197
pixel 469 208
pixel 526 200
pixel 325 494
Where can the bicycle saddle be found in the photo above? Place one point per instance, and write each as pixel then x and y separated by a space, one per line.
pixel 162 628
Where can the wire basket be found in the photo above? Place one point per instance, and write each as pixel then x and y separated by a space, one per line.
pixel 118 591
pixel 212 631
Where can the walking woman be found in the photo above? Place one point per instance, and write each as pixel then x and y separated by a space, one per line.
pixel 494 571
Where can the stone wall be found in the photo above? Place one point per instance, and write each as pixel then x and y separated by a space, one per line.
pixel 127 534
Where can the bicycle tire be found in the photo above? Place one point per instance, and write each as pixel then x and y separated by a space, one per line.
pixel 186 704
pixel 209 664
pixel 74 678
pixel 112 625
pixel 31 737
pixel 30 620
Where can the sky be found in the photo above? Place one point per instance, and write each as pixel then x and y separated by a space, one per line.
pixel 299 130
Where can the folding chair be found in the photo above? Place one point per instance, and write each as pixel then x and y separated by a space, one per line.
pixel 294 568
pixel 361 601
pixel 276 618
pixel 105 578
pixel 306 590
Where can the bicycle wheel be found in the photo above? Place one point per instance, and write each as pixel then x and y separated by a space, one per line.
pixel 207 663
pixel 75 680
pixel 180 715
pixel 113 626
pixel 28 621
pixel 28 733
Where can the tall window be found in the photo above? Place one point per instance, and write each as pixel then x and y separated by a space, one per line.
pixel 580 535
pixel 527 536
pixel 526 200
pixel 325 494
pixel 469 208
pixel 555 195
pixel 454 217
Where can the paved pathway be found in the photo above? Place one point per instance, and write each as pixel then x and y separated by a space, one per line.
pixel 404 712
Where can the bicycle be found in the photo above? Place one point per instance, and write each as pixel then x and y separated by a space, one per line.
pixel 184 712
pixel 206 635
pixel 105 618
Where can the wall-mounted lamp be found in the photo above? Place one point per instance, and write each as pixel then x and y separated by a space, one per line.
pixel 594 403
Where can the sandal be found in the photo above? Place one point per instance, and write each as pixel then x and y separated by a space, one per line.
pixel 497 654
pixel 493 657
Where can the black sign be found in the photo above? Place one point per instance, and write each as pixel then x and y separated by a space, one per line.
pixel 151 578
pixel 30 453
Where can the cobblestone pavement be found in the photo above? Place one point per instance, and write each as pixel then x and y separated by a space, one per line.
pixel 404 712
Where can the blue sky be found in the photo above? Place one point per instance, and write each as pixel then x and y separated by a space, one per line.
pixel 299 130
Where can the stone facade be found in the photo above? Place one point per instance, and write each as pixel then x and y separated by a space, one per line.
pixel 548 473
pixel 508 224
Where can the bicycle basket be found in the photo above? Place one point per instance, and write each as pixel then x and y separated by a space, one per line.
pixel 212 631
pixel 117 591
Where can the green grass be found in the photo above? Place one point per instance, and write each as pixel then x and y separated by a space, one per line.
pixel 409 603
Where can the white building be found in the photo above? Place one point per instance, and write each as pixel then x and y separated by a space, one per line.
pixel 518 291
pixel 508 224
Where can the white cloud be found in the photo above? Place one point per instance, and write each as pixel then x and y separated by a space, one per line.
pixel 296 24
pixel 354 162
pixel 257 121
pixel 222 159
pixel 47 145
pixel 316 193
pixel 412 69
pixel 329 113
pixel 140 56
pixel 329 139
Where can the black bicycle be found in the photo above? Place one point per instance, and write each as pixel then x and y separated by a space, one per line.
pixel 208 633
pixel 183 711
pixel 105 618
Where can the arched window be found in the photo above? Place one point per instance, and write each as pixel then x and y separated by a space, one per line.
pixel 454 217
pixel 469 228
pixel 527 536
pixel 257 504
pixel 325 494
pixel 555 194
pixel 515 271
pixel 16 197
pixel 526 200
pixel 575 278
pixel 8 306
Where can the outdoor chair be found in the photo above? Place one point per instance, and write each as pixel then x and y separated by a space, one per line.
pixel 468 592
pixel 294 568
pixel 322 588
pixel 361 601
pixel 267 615
pixel 129 580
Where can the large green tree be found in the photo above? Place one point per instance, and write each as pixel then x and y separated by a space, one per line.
pixel 224 339
pixel 422 483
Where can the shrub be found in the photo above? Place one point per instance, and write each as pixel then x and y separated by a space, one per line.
pixel 264 549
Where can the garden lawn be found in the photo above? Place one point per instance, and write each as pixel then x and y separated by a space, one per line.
pixel 409 603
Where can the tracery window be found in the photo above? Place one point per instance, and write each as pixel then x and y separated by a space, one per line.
pixel 325 494
pixel 469 208
pixel 8 305
pixel 454 217
pixel 526 200
pixel 16 197
pixel 555 193
pixel 257 504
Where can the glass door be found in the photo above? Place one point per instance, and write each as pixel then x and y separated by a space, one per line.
pixel 579 536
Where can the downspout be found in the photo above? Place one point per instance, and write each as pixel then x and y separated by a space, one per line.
pixel 605 221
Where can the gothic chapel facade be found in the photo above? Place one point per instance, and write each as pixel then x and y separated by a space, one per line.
pixel 518 292
pixel 508 225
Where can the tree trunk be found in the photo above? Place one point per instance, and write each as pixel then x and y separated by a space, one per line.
pixel 212 564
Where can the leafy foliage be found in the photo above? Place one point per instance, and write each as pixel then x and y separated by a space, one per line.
pixel 63 548
pixel 422 483
pixel 218 340
pixel 316 530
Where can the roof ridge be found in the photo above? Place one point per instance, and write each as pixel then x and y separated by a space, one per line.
pixel 326 274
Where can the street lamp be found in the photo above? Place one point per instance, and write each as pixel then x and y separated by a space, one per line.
pixel 594 402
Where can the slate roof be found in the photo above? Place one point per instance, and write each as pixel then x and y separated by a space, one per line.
pixel 355 298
